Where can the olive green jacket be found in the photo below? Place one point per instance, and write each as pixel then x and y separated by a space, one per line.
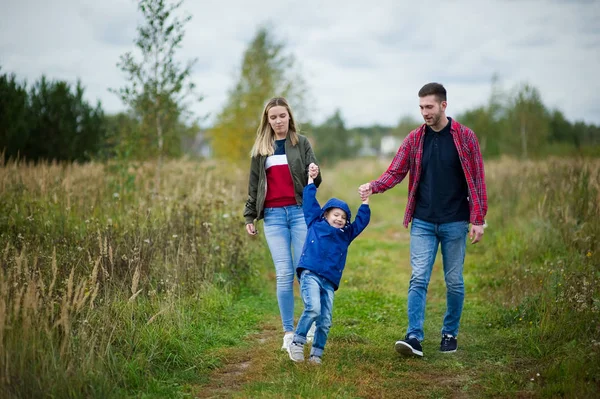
pixel 299 157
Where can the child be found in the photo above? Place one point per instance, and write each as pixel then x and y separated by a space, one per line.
pixel 321 264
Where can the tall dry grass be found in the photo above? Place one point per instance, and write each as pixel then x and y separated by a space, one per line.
pixel 88 263
pixel 543 266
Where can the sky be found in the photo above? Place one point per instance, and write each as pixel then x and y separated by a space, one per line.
pixel 368 59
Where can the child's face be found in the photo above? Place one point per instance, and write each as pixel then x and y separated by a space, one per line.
pixel 336 217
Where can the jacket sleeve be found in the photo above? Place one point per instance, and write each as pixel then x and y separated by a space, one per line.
pixel 363 217
pixel 250 212
pixel 310 205
pixel 309 157
pixel 398 169
pixel 476 160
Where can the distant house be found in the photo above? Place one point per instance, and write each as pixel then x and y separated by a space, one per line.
pixel 198 145
pixel 389 145
pixel 365 149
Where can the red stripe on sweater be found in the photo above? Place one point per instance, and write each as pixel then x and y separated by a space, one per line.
pixel 280 186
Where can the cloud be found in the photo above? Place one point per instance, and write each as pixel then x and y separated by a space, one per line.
pixel 368 60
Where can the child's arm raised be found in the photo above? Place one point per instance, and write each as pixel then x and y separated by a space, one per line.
pixel 310 205
pixel 362 219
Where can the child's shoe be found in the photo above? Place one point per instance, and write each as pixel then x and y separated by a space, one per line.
pixel 287 340
pixel 296 352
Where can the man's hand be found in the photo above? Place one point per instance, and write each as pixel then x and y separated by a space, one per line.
pixel 365 191
pixel 476 234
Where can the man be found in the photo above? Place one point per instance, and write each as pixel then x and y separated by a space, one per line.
pixel 446 192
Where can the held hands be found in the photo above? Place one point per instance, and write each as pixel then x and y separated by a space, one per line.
pixel 365 191
pixel 313 172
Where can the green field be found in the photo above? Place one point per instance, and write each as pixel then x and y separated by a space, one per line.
pixel 112 288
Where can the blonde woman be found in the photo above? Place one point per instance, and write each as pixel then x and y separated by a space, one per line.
pixel 281 159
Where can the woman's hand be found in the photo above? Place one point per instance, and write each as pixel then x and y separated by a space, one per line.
pixel 313 170
pixel 250 229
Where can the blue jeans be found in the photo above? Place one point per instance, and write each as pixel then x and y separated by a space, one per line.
pixel 425 238
pixel 317 295
pixel 285 231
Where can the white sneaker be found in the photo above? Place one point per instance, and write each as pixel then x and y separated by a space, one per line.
pixel 287 340
pixel 310 335
pixel 296 352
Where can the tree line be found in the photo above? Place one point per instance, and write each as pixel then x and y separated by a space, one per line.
pixel 51 120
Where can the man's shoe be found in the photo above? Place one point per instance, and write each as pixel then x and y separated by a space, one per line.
pixel 296 352
pixel 287 340
pixel 316 360
pixel 409 346
pixel 448 344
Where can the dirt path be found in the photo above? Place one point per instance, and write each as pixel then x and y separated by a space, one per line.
pixel 241 365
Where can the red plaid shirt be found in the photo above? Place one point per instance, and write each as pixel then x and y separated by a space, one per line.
pixel 409 159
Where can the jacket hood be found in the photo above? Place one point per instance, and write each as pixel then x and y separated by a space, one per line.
pixel 337 203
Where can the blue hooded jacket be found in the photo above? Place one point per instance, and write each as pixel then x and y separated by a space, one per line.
pixel 326 247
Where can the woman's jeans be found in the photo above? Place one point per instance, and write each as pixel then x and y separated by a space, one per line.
pixel 285 231
pixel 317 295
pixel 425 238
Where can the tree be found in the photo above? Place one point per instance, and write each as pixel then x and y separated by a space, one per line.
pixel 488 121
pixel 123 137
pixel 50 121
pixel 485 126
pixel 333 141
pixel 63 125
pixel 561 130
pixel 368 138
pixel 527 121
pixel 159 87
pixel 405 125
pixel 14 116
pixel 266 72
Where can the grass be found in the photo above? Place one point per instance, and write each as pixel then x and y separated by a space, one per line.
pixel 143 294
pixel 515 340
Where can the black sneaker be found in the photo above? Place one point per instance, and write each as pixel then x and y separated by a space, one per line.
pixel 409 347
pixel 448 344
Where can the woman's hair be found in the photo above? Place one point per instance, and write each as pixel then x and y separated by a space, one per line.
pixel 265 136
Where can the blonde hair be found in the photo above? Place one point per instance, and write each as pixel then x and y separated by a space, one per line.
pixel 265 135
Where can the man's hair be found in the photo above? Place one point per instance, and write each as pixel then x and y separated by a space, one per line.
pixel 435 89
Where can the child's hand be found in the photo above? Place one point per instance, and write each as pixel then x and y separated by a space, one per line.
pixel 313 171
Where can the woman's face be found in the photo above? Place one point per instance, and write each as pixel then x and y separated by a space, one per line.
pixel 279 119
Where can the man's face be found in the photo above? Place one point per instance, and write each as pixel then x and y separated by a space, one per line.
pixel 432 110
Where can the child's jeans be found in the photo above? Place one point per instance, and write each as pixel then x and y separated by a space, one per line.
pixel 317 295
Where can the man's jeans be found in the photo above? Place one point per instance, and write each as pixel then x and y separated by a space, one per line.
pixel 425 238
pixel 317 295
pixel 285 231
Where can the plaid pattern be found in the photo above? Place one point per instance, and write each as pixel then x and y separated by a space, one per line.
pixel 409 159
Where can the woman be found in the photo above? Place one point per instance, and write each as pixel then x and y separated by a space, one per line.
pixel 281 159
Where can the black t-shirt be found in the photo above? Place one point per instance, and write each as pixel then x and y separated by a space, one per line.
pixel 442 194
